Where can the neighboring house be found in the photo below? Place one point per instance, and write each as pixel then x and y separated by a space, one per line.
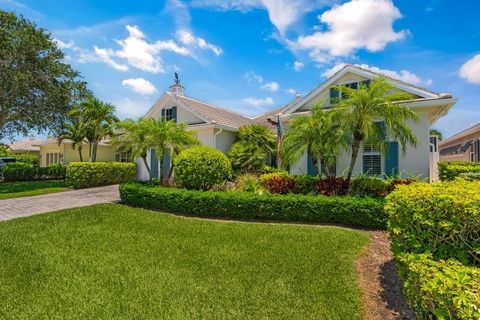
pixel 428 105
pixel 463 146
pixel 27 146
pixel 52 153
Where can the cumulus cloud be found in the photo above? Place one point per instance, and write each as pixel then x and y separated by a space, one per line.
pixel 252 76
pixel 297 66
pixel 402 75
pixel 258 102
pixel 189 39
pixel 140 85
pixel 136 51
pixel 271 86
pixel 354 25
pixel 470 70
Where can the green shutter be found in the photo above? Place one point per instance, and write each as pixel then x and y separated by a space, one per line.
pixel 166 163
pixel 391 158
pixel 154 164
pixel 311 167
pixel 174 114
pixel 163 114
pixel 334 95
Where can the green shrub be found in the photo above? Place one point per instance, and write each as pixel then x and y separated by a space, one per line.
pixel 469 176
pixel 346 210
pixel 92 174
pixel 248 183
pixel 19 171
pixel 305 184
pixel 439 218
pixel 443 289
pixel 449 170
pixel 277 182
pixel 369 186
pixel 333 186
pixel 29 159
pixel 201 168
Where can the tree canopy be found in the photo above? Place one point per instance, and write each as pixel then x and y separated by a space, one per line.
pixel 38 88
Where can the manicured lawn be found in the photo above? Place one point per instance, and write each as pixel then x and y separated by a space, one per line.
pixel 113 261
pixel 33 188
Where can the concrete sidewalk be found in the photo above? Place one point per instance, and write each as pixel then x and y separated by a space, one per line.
pixel 27 206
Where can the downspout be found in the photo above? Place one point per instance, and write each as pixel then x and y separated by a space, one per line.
pixel 215 134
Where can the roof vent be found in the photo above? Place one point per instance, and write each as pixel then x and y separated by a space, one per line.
pixel 298 96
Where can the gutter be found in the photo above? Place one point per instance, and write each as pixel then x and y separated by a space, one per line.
pixel 215 137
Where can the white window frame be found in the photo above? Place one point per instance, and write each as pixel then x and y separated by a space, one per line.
pixel 123 156
pixel 53 158
pixel 369 150
pixel 168 114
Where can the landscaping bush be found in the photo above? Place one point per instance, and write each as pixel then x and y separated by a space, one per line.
pixel 369 186
pixel 333 186
pixel 277 182
pixel 470 176
pixel 449 170
pixel 19 171
pixel 93 174
pixel 201 168
pixel 305 184
pixel 248 183
pixel 346 210
pixel 28 159
pixel 439 218
pixel 443 289
pixel 398 182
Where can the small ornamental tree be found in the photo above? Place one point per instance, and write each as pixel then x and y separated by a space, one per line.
pixel 201 168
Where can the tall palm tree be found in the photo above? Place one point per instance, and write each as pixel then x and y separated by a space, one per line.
pixel 99 117
pixel 255 145
pixel 359 108
pixel 319 134
pixel 74 131
pixel 135 136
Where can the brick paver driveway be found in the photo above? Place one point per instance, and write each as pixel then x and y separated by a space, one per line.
pixel 27 206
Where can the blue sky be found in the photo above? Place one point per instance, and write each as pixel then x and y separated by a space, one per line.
pixel 253 55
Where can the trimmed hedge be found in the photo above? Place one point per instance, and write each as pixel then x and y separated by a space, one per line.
pixel 92 174
pixel 18 171
pixel 439 218
pixel 443 289
pixel 449 170
pixel 346 210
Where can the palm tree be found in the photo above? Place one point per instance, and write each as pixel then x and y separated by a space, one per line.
pixel 256 144
pixel 99 117
pixel 360 108
pixel 135 136
pixel 319 134
pixel 74 131
pixel 170 138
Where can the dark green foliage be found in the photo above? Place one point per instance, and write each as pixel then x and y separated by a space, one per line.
pixel 346 210
pixel 201 168
pixel 305 184
pixel 443 289
pixel 449 170
pixel 92 174
pixel 18 171
pixel 37 89
pixel 32 188
pixel 27 158
pixel 369 186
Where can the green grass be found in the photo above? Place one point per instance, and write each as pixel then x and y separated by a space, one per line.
pixel 30 188
pixel 113 261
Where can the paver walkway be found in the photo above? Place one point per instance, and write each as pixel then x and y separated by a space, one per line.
pixel 27 206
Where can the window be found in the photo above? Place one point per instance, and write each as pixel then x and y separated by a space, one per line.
pixel 53 158
pixel 168 114
pixel 371 160
pixel 123 156
pixel 336 95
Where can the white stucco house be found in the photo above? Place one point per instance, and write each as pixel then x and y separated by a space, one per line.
pixel 217 127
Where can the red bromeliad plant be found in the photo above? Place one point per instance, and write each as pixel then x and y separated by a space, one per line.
pixel 397 182
pixel 277 183
pixel 333 186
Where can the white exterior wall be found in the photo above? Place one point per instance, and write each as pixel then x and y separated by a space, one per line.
pixel 224 140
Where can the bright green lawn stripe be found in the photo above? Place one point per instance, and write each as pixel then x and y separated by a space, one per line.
pixel 33 188
pixel 113 261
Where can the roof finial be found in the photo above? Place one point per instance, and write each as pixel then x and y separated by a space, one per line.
pixel 177 80
pixel 177 88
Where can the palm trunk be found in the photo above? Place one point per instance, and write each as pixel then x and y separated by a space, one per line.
pixel 170 173
pixel 324 164
pixel 80 153
pixel 94 152
pixel 90 151
pixel 147 167
pixel 355 149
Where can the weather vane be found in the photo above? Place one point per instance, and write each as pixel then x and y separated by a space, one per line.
pixel 177 81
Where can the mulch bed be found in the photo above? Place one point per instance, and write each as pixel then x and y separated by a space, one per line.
pixel 381 288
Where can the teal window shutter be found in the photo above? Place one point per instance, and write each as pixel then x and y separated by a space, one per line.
pixel 334 95
pixel 366 83
pixel 311 167
pixel 391 158
pixel 154 164
pixel 174 114
pixel 163 114
pixel 166 163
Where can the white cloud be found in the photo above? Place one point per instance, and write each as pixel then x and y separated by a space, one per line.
pixel 139 53
pixel 470 70
pixel 282 13
pixel 252 76
pixel 128 108
pixel 291 91
pixel 402 75
pixel 354 25
pixel 271 86
pixel 140 85
pixel 189 39
pixel 64 45
pixel 297 65
pixel 258 102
